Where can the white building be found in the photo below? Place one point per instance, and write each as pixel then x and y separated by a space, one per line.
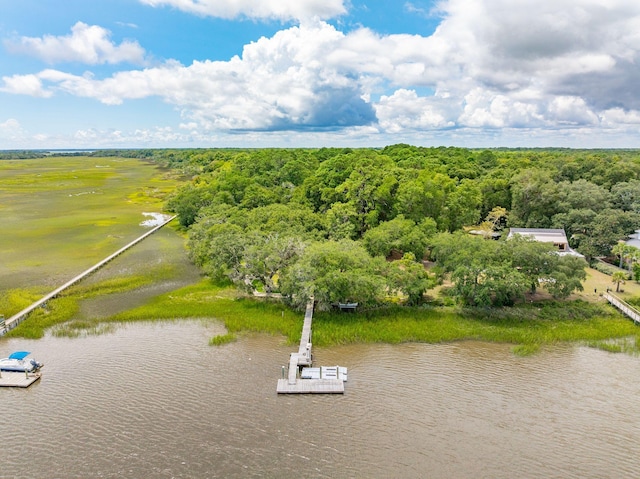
pixel 544 235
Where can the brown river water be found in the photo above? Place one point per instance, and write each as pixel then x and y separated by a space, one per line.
pixel 154 400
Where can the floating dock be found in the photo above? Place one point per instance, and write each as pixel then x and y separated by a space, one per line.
pixel 311 386
pixel 17 379
pixel 302 379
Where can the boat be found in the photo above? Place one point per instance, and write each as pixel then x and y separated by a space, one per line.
pixel 19 362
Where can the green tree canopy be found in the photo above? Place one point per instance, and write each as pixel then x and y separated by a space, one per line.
pixel 399 234
pixel 335 272
pixel 409 278
pixel 500 272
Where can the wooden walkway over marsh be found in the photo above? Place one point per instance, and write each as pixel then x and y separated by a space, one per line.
pixel 624 307
pixel 16 319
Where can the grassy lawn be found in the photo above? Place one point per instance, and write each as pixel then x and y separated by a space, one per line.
pixel 598 282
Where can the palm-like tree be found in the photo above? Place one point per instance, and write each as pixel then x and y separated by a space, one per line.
pixel 619 250
pixel 627 253
pixel 618 277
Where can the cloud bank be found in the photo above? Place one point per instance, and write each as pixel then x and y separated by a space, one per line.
pixel 263 9
pixel 490 64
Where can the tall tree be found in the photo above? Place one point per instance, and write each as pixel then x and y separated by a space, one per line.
pixel 618 278
pixel 534 199
pixel 401 235
pixel 409 278
pixel 335 272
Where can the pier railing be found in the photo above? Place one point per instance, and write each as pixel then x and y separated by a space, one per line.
pixel 624 307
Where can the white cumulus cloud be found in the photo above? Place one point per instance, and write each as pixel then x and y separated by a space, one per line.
pixel 90 44
pixel 490 64
pixel 405 110
pixel 25 85
pixel 258 9
pixel 279 83
pixel 10 124
pixel 11 129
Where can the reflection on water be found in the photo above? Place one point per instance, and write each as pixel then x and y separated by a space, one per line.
pixel 154 400
pixel 156 219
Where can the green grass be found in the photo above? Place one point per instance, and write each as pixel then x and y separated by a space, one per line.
pixel 526 349
pixel 528 327
pixel 59 313
pixel 206 300
pixel 202 300
pixel 61 215
pixel 222 339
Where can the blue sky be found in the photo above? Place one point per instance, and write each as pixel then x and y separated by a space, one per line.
pixel 260 73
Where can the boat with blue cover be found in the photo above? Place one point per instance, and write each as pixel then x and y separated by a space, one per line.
pixel 19 362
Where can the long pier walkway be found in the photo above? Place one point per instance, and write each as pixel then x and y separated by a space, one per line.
pixel 16 319
pixel 334 377
pixel 623 307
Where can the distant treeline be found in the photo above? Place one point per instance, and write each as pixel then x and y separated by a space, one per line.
pixel 34 154
pixel 21 154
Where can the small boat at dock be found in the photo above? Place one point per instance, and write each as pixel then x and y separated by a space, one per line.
pixel 18 362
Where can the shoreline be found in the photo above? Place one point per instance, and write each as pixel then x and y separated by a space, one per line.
pixel 527 326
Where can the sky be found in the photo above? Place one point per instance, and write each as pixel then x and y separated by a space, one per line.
pixel 312 73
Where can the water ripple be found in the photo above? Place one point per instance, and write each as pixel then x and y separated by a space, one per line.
pixel 154 400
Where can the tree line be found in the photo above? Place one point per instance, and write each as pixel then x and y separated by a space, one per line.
pixel 326 222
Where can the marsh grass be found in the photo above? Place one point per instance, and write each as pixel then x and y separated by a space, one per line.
pixel 208 300
pixel 628 345
pixel 109 286
pixel 15 300
pixel 65 308
pixel 528 327
pixel 61 215
pixel 54 312
pixel 523 350
pixel 222 339
pixel 201 300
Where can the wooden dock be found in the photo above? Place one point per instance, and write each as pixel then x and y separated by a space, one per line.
pixel 16 319
pixel 294 383
pixel 624 307
pixel 311 386
pixel 18 380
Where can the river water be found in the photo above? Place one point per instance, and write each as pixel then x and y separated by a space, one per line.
pixel 154 400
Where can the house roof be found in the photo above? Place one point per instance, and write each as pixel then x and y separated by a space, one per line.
pixel 541 234
pixel 545 235
pixel 634 239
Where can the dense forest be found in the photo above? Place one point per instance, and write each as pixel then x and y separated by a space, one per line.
pixel 359 225
pixel 328 222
